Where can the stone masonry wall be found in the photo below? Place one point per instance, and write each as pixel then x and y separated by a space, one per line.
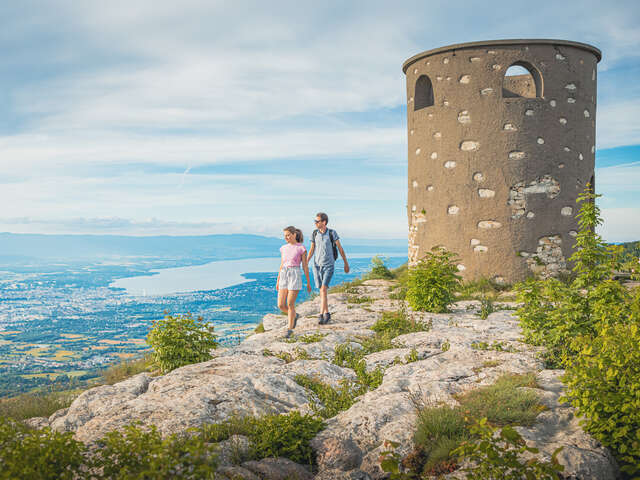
pixel 494 176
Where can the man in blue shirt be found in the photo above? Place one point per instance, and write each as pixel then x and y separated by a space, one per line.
pixel 325 245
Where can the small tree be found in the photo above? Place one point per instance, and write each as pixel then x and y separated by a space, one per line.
pixel 379 269
pixel 180 340
pixel 433 281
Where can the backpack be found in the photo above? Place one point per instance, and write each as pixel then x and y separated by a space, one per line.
pixel 333 242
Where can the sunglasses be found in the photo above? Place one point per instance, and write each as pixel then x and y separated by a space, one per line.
pixel 316 221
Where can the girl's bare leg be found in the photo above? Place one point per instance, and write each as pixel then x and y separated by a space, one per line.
pixel 282 299
pixel 291 304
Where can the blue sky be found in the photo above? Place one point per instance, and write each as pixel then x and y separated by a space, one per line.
pixel 200 117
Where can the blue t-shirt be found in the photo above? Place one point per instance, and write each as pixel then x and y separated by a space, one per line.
pixel 323 253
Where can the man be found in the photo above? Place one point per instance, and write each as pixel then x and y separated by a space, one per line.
pixel 325 243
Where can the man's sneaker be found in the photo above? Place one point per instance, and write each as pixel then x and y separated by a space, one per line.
pixel 321 319
pixel 327 317
pixel 295 320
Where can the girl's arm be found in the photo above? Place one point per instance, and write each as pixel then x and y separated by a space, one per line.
pixel 311 250
pixel 278 280
pixel 305 267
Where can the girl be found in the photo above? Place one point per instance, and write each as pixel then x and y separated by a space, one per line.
pixel 289 281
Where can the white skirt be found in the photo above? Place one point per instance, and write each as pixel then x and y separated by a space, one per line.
pixel 290 278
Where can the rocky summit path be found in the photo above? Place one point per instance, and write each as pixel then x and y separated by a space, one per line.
pixel 242 380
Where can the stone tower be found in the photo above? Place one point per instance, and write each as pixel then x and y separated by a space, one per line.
pixel 496 161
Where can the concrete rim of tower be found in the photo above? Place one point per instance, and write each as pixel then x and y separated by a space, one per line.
pixel 502 43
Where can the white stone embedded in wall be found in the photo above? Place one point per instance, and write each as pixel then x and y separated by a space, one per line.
pixel 411 132
pixel 464 117
pixel 540 140
pixel 434 155
pixel 474 242
pixel 571 100
pixel 415 184
pixel 571 87
pixel 415 70
pixel 445 60
pixel 573 233
pixel 453 210
pixel 530 214
pixel 486 91
pixel 586 114
pixel 417 151
pixel 496 67
pixel 475 59
pixel 510 127
pixel 414 208
pixel 559 56
pixel 429 188
pixel 464 79
pixel 480 249
pixel 437 135
pixel 488 224
pixel 566 211
pixel 567 149
pixel 529 113
pixel 478 177
pixel 562 120
pixel 449 164
pixel 486 193
pixel 461 267
pixel 469 145
pixel 517 155
pixel 552 103
pixel 580 156
pixel 518 193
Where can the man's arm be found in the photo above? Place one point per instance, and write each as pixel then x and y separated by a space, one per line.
pixel 344 257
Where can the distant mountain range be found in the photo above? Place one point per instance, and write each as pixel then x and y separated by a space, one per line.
pixel 25 247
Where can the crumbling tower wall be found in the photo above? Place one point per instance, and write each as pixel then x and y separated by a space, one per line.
pixel 497 161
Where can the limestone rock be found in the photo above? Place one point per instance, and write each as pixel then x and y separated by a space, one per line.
pixel 278 469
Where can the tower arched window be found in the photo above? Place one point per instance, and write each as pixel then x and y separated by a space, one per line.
pixel 423 96
pixel 522 80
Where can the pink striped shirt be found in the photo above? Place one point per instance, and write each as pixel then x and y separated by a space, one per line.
pixel 292 254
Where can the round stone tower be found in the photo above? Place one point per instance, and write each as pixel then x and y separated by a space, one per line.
pixel 496 159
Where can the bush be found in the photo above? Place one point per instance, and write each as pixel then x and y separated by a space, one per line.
pixel 332 400
pixel 498 456
pixel 37 454
pixel 398 323
pixel 135 452
pixel 603 383
pixel 433 281
pixel 180 340
pixel 379 270
pixel 285 436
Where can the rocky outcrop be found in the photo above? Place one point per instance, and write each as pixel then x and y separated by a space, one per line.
pixel 251 379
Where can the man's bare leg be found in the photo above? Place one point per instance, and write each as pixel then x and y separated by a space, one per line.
pixel 324 302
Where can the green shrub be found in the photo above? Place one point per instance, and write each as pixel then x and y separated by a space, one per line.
pixel 379 270
pixel 180 340
pixel 260 328
pixel 603 383
pixel 285 436
pixel 433 281
pixel 347 356
pixel 140 452
pixel 359 299
pixel 398 323
pixel 347 287
pixel 37 454
pixel 498 456
pixel 307 338
pixel 332 400
pixel 486 307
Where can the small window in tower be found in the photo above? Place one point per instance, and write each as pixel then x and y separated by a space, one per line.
pixel 522 80
pixel 424 93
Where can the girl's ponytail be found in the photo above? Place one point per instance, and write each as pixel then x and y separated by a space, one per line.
pixel 299 236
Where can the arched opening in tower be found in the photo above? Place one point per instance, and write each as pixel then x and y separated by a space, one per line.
pixel 522 80
pixel 423 96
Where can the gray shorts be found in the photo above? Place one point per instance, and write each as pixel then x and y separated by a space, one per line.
pixel 290 278
pixel 322 275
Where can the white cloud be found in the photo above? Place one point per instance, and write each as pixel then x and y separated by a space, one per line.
pixel 620 224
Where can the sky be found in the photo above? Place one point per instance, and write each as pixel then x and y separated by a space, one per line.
pixel 201 117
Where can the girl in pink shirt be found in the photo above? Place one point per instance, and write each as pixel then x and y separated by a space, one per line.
pixel 289 281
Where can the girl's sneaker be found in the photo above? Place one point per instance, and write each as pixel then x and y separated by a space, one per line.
pixel 327 317
pixel 321 319
pixel 289 333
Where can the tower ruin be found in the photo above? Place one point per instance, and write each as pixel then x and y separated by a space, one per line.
pixel 496 161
